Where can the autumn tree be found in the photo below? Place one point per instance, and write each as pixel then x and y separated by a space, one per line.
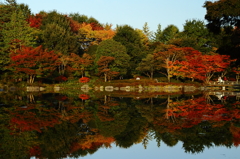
pixel 80 64
pixel 201 67
pixel 88 35
pixel 190 66
pixel 33 61
pixel 104 67
pixel 166 57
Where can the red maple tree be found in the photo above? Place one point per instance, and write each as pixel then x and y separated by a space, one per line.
pixel 33 61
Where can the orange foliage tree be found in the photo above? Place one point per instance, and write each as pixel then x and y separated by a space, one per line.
pixel 92 33
pixel 104 67
pixel 80 64
pixel 201 67
pixel 166 58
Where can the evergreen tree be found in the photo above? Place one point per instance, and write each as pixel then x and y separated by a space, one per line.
pixel 158 34
pixel 147 31
pixel 168 34
pixel 16 33
pixel 195 35
pixel 131 39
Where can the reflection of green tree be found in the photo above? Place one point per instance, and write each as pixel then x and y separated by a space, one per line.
pixel 14 146
pixel 203 135
pixel 135 131
pixel 147 109
pixel 82 153
pixel 116 126
pixel 56 141
pixel 169 139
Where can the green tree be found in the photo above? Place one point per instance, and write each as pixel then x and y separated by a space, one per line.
pixel 195 35
pixel 169 33
pixel 223 19
pixel 57 35
pixel 147 31
pixel 78 17
pixel 222 13
pixel 147 66
pixel 131 39
pixel 118 51
pixel 157 35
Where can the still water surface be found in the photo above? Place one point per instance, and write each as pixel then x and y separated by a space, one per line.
pixel 98 125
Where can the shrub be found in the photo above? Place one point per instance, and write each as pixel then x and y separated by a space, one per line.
pixel 84 80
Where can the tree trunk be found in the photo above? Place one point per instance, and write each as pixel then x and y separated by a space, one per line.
pixel 105 77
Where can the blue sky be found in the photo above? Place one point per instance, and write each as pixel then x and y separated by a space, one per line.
pixel 132 12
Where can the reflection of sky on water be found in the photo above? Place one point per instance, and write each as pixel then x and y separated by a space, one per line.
pixel 164 152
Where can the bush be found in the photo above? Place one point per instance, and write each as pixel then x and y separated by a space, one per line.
pixel 84 80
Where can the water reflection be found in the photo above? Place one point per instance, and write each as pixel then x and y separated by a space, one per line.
pixel 76 125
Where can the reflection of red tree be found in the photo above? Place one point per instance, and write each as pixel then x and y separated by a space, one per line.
pixel 30 118
pixel 104 111
pixel 84 96
pixel 236 135
pixel 186 114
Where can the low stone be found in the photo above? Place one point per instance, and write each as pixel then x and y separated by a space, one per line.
pixel 109 88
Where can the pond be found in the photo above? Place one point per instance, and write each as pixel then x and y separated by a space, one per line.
pixel 119 125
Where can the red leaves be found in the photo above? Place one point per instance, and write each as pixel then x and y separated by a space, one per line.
pixel 202 67
pixel 33 61
pixel 96 26
pixel 84 80
pixel 35 21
